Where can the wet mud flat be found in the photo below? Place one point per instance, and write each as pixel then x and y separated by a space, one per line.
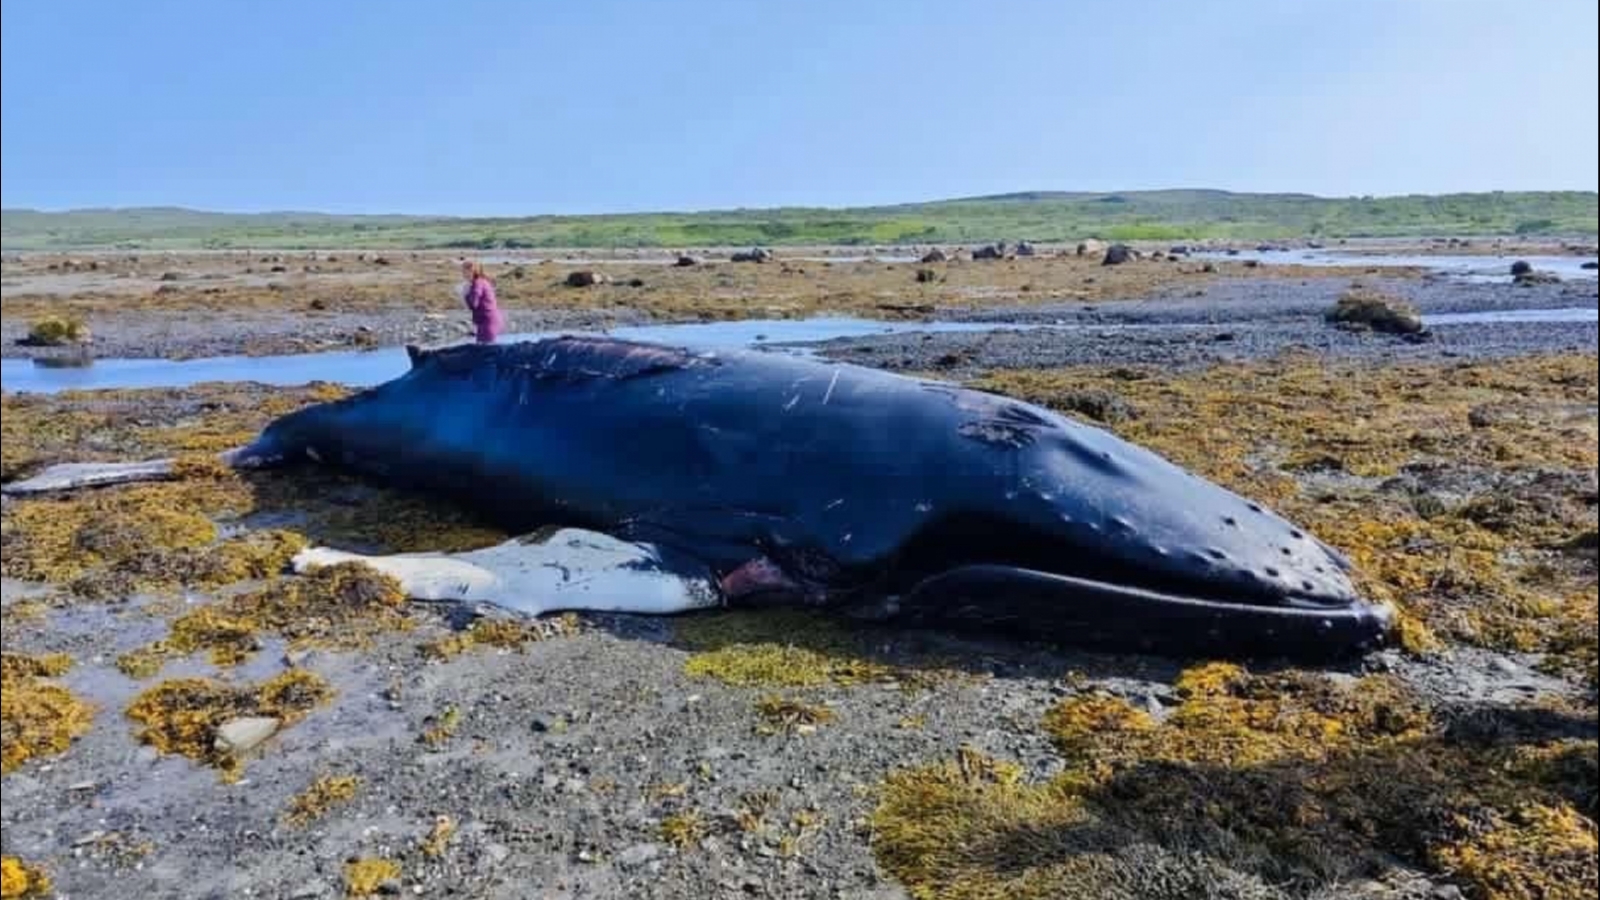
pixel 187 306
pixel 1235 320
pixel 774 754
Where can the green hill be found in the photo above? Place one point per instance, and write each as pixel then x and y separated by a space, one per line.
pixel 1029 215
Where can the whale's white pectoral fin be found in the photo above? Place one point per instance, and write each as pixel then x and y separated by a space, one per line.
pixel 71 476
pixel 569 569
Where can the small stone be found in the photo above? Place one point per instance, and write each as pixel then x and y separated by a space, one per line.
pixel 639 854
pixel 243 734
pixel 309 891
pixel 497 853
pixel 1446 892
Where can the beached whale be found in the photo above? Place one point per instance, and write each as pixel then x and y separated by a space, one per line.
pixel 655 479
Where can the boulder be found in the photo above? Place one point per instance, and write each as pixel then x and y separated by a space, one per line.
pixel 1533 277
pixel 754 254
pixel 1117 254
pixel 1090 247
pixel 1024 248
pixel 585 278
pixel 1521 267
pixel 1365 309
pixel 934 256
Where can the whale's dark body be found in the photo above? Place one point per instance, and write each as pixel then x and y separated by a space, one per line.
pixel 923 501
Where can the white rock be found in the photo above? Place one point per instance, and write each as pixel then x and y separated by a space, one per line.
pixel 242 734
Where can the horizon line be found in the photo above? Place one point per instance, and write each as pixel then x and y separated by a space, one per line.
pixel 1003 195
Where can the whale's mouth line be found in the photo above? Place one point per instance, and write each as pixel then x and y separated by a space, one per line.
pixel 1140 619
pixel 1215 604
pixel 1177 572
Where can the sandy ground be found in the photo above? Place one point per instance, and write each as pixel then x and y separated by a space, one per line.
pixel 623 760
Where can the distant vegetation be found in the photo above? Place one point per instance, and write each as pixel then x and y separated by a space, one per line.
pixel 1033 216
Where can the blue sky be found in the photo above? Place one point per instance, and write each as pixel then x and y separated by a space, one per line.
pixel 502 108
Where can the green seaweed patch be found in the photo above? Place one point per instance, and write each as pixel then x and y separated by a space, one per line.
pixel 500 634
pixel 368 876
pixel 321 796
pixel 777 714
pixel 793 648
pixel 95 426
pixel 37 718
pixel 1289 779
pixel 57 331
pixel 683 829
pixel 343 606
pixel 1370 309
pixel 184 715
pixel 437 730
pixel 21 881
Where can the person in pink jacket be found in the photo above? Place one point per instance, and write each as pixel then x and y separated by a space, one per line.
pixel 480 300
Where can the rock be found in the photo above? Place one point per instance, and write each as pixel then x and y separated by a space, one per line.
pixel 585 278
pixel 244 734
pixel 311 890
pixel 686 261
pixel 1527 279
pixel 1178 250
pixel 1209 268
pixel 1506 667
pixel 1591 265
pixel 1521 267
pixel 992 251
pixel 636 282
pixel 1090 247
pixel 1116 255
pixel 1365 309
pixel 927 276
pixel 1024 248
pixel 934 256
pixel 639 854
pixel 754 254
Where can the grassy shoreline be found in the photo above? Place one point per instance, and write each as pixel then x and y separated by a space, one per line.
pixel 1175 215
